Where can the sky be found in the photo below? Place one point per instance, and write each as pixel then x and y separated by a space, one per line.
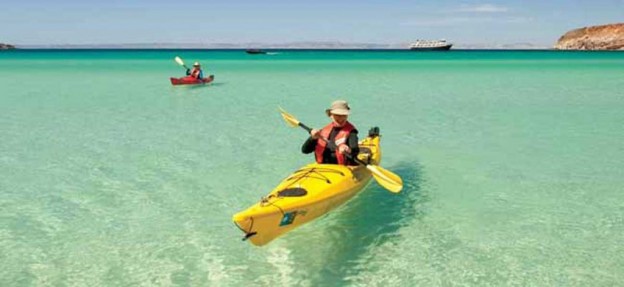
pixel 44 22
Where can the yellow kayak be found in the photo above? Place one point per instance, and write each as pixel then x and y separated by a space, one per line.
pixel 306 194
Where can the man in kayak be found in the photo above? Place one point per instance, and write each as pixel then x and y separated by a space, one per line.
pixel 196 72
pixel 339 131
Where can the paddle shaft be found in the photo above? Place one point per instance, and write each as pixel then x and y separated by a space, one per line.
pixel 332 144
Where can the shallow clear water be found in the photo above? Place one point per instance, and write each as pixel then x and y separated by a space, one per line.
pixel 512 163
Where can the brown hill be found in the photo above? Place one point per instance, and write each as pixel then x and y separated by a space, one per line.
pixel 605 37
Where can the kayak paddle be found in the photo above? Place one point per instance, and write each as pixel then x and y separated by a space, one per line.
pixel 389 180
pixel 180 62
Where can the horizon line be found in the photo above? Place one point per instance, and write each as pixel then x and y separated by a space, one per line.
pixel 284 45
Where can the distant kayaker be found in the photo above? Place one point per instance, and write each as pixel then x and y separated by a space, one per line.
pixel 196 72
pixel 340 131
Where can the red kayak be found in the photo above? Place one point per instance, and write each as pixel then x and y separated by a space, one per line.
pixel 191 81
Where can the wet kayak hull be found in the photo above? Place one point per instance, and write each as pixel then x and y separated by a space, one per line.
pixel 191 81
pixel 305 195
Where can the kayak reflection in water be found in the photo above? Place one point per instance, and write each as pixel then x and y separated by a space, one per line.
pixel 196 72
pixel 340 131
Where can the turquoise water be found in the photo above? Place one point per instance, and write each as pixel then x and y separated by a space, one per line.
pixel 512 163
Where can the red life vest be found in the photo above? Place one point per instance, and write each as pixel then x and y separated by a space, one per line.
pixel 195 73
pixel 341 138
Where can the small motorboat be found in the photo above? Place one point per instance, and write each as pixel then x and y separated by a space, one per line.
pixel 255 51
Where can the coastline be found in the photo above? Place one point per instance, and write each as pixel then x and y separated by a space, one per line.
pixel 281 46
pixel 242 50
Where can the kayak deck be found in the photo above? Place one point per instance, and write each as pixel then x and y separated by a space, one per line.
pixel 305 195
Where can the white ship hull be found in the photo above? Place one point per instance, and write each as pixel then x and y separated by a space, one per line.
pixel 436 48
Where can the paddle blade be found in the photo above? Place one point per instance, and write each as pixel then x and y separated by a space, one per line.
pixel 389 180
pixel 179 61
pixel 290 119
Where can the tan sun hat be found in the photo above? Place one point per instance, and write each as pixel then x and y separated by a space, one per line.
pixel 339 107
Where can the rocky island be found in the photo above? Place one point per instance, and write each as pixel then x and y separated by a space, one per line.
pixel 604 37
pixel 6 47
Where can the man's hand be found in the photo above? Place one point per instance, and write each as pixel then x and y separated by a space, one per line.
pixel 343 148
pixel 315 134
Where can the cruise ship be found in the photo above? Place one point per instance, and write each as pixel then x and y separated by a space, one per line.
pixel 430 45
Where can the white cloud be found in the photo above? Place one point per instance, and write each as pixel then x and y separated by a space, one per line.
pixel 467 15
pixel 456 21
pixel 482 8
pixel 436 22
